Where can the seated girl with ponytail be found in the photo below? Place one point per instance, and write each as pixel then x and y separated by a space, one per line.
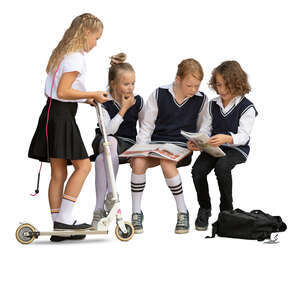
pixel 120 113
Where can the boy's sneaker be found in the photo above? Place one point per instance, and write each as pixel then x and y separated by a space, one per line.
pixel 183 224
pixel 137 222
pixel 109 203
pixel 201 222
pixel 97 216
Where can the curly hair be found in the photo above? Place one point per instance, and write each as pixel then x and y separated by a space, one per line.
pixel 236 79
pixel 74 38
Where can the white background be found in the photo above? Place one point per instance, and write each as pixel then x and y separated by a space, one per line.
pixel 263 36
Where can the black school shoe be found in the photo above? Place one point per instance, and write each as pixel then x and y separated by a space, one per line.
pixel 201 222
pixel 63 226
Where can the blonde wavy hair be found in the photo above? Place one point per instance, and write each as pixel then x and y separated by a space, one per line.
pixel 74 39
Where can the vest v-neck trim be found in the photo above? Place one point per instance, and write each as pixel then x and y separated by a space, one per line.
pixel 232 108
pixel 180 105
pixel 116 103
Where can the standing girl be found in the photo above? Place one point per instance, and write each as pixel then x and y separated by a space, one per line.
pixel 169 110
pixel 57 138
pixel 121 114
pixel 228 120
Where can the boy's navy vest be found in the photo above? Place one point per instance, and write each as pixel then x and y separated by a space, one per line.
pixel 127 128
pixel 229 122
pixel 173 117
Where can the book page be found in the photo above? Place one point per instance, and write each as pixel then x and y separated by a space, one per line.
pixel 200 139
pixel 165 151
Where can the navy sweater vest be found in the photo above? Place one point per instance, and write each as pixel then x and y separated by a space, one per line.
pixel 127 128
pixel 229 122
pixel 173 117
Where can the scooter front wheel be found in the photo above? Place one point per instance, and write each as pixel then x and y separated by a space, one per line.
pixel 25 234
pixel 125 236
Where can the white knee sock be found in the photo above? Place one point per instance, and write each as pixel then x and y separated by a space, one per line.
pixel 113 143
pixel 175 186
pixel 65 214
pixel 54 213
pixel 138 183
pixel 100 181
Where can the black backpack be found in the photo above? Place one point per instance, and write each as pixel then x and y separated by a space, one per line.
pixel 255 225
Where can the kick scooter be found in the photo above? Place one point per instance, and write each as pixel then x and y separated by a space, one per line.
pixel 26 233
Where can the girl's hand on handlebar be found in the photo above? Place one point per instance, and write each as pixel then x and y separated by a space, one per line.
pixel 101 97
pixel 90 101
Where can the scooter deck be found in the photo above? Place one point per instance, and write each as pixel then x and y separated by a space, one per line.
pixel 69 232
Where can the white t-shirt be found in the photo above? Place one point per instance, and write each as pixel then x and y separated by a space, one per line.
pixel 70 63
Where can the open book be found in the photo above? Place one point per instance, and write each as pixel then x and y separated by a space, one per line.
pixel 200 139
pixel 161 151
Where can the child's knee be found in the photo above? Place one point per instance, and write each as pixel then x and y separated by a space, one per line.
pixel 112 140
pixel 99 159
pixel 139 165
pixel 59 176
pixel 199 172
pixel 167 164
pixel 84 167
pixel 222 169
pixel 113 143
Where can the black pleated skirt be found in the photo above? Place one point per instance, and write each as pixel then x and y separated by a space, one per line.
pixel 64 138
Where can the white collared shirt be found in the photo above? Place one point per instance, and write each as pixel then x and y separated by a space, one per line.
pixel 148 121
pixel 112 125
pixel 70 63
pixel 245 124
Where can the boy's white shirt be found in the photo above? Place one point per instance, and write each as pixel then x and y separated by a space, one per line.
pixel 70 63
pixel 147 124
pixel 245 124
pixel 112 125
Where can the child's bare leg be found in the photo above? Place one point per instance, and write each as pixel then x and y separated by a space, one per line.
pixel 82 169
pixel 141 164
pixel 72 190
pixel 56 185
pixel 169 168
pixel 173 181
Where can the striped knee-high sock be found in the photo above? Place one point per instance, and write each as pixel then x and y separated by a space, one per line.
pixel 138 183
pixel 54 213
pixel 175 185
pixel 65 214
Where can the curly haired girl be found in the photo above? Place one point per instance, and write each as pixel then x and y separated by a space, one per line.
pixel 228 120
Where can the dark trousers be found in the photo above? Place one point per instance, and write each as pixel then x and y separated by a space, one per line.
pixel 223 166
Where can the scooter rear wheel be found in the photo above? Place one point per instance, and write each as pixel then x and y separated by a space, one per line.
pixel 24 234
pixel 125 236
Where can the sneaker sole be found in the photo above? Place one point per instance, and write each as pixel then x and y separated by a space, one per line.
pixel 181 231
pixel 201 228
